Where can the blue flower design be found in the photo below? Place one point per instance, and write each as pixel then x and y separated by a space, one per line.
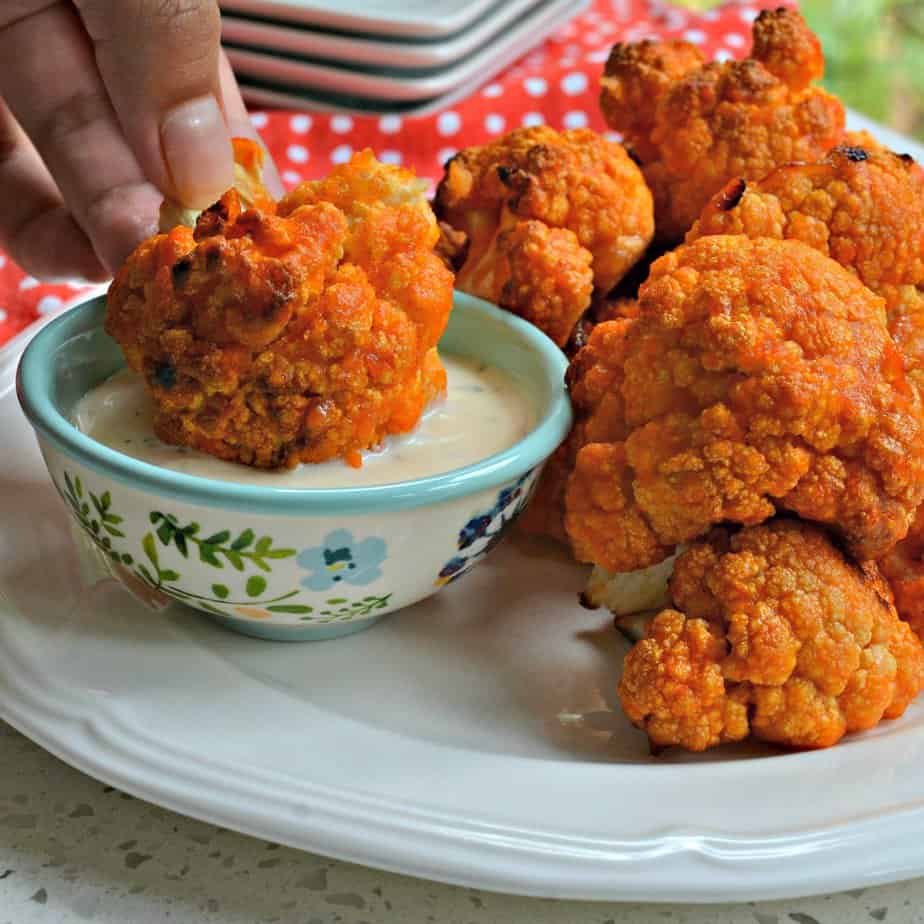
pixel 478 530
pixel 453 569
pixel 340 559
pixel 508 496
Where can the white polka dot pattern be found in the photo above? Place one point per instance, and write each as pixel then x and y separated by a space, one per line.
pixel 495 123
pixel 297 153
pixel 448 123
pixel 300 124
pixel 48 304
pixel 341 154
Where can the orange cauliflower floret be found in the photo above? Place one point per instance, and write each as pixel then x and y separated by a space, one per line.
pixel 549 217
pixel 594 379
pixel 695 126
pixel 290 333
pixel 776 634
pixel 758 375
pixel 904 569
pixel 861 207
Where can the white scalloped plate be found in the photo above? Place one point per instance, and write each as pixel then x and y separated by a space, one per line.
pixel 471 739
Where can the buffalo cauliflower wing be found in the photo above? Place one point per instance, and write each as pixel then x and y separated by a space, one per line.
pixel 548 217
pixel 903 567
pixel 775 634
pixel 696 125
pixel 759 375
pixel 862 206
pixel 293 332
pixel 594 381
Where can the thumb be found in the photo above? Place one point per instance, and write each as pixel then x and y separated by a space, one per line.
pixel 159 60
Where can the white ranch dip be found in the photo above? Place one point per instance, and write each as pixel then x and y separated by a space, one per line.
pixel 484 412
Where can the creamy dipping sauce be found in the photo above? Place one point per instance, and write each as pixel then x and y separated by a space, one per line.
pixel 485 411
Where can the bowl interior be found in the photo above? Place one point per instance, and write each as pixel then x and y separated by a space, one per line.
pixel 73 354
pixel 82 358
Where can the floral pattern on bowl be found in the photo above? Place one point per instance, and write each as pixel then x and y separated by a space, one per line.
pixel 155 585
pixel 342 559
pixel 484 530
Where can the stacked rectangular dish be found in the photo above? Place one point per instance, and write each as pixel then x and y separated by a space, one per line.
pixel 407 56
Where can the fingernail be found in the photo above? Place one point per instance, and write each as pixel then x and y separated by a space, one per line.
pixel 197 150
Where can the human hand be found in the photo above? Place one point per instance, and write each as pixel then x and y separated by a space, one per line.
pixel 106 106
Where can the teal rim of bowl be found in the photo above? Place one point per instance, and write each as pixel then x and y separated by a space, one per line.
pixel 35 382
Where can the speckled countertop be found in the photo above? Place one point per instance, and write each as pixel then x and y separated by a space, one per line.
pixel 73 850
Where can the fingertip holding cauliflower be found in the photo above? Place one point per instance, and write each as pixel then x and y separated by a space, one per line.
pixel 776 634
pixel 248 181
pixel 696 125
pixel 549 217
pixel 293 332
pixel 759 375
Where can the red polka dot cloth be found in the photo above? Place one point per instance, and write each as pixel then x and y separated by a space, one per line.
pixel 555 84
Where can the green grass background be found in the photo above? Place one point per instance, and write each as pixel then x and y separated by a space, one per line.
pixel 874 52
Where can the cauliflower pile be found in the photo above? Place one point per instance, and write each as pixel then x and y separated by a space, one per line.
pixel 776 634
pixel 769 367
pixel 758 377
pixel 548 218
pixel 289 332
pixel 695 125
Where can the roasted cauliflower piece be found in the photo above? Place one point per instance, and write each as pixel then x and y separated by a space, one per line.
pixel 759 375
pixel 860 206
pixel 695 125
pixel 776 634
pixel 864 207
pixel 594 379
pixel 903 568
pixel 297 332
pixel 548 218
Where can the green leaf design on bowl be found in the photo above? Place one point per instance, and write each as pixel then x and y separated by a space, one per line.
pixel 216 550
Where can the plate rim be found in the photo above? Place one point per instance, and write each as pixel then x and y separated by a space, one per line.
pixel 385 834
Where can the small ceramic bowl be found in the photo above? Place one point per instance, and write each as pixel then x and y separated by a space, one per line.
pixel 287 564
